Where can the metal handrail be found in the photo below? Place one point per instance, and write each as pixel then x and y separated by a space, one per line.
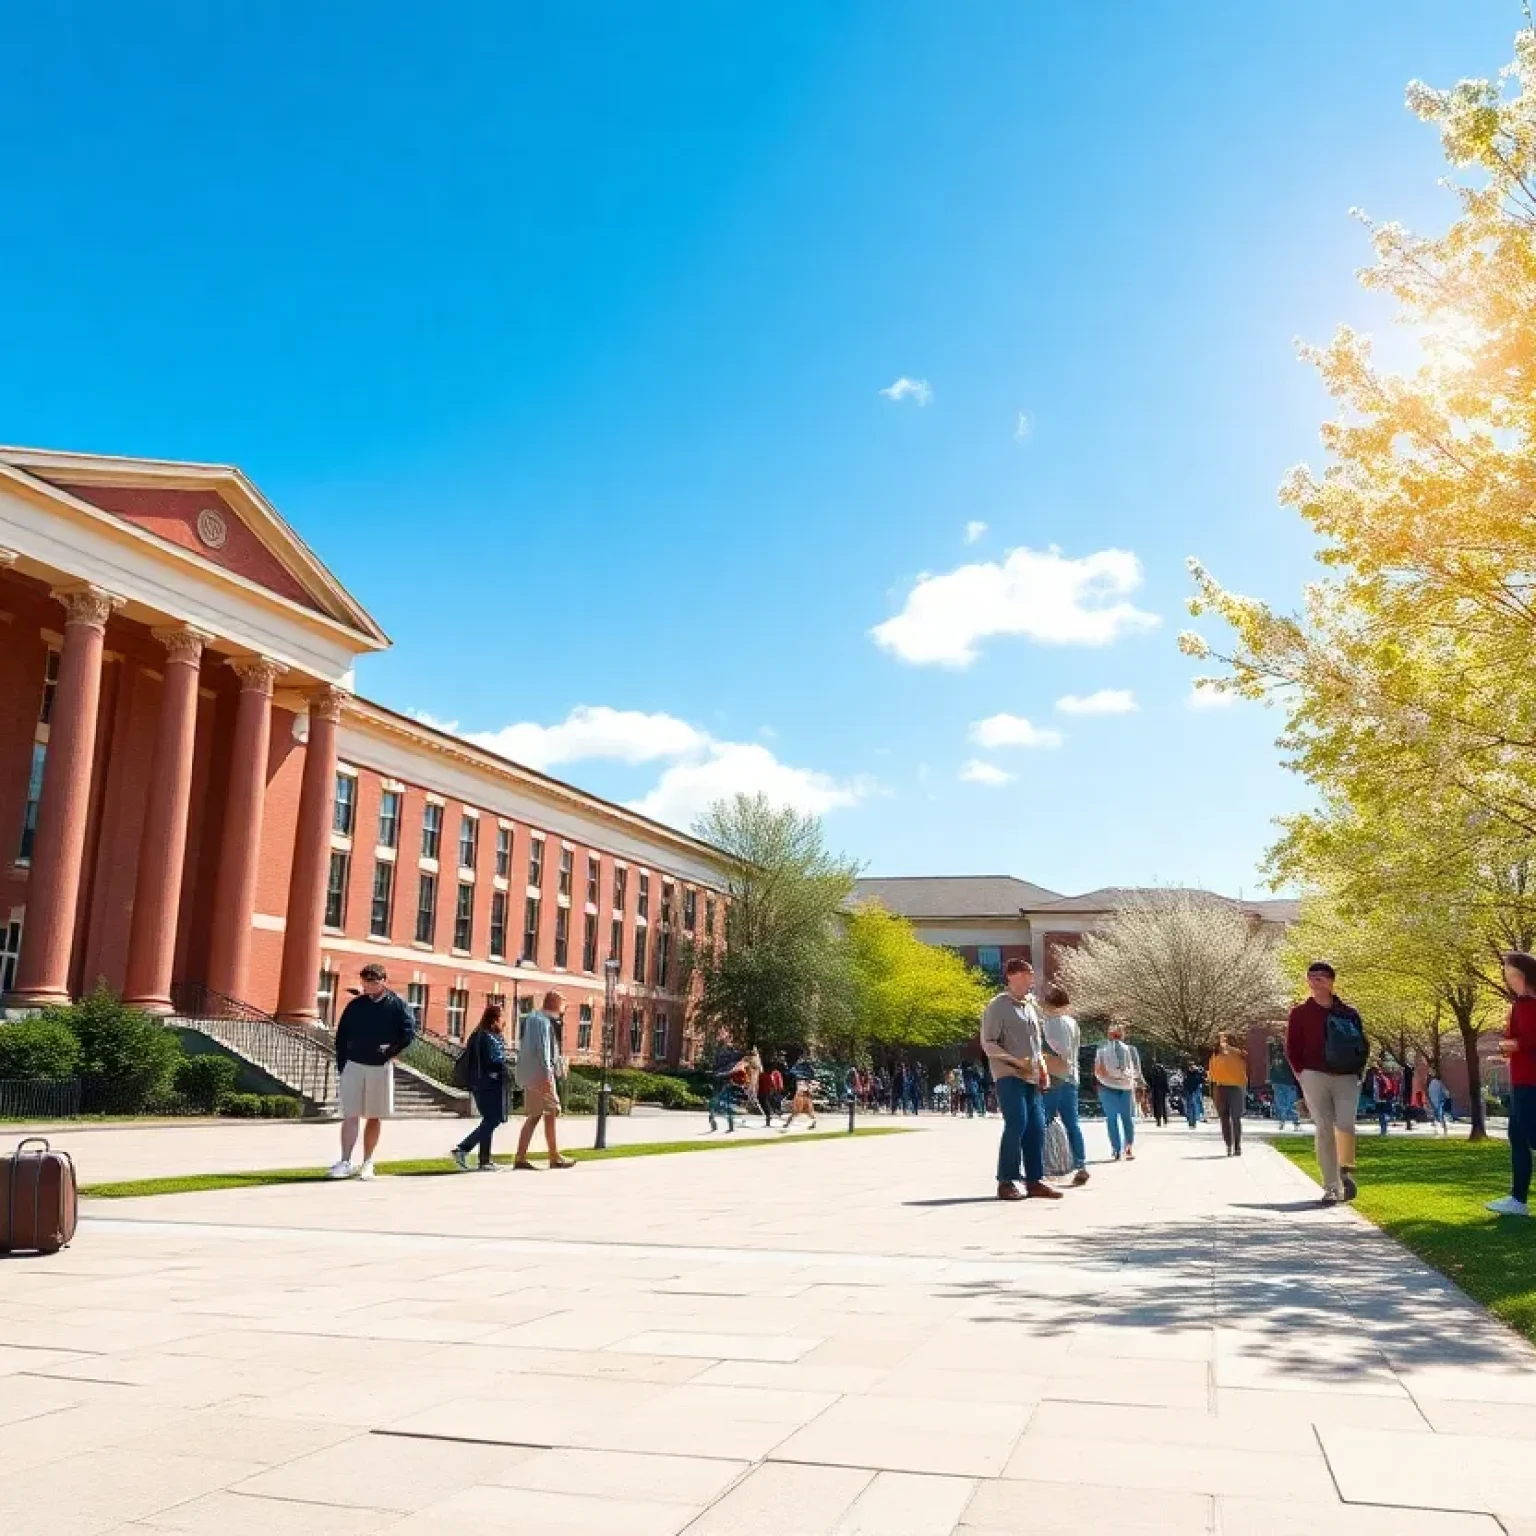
pixel 301 1058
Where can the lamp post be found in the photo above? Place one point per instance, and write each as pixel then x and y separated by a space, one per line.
pixel 610 982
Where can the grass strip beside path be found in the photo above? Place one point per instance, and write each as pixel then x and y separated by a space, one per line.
pixel 435 1167
pixel 1429 1195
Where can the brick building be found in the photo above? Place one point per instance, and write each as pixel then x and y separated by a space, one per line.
pixel 194 799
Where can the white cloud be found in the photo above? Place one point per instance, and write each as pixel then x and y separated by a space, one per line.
pixel 1039 594
pixel 1107 701
pixel 978 772
pixel 593 731
pixel 974 531
pixel 904 388
pixel 1023 427
pixel 450 727
pixel 1209 698
pixel 687 789
pixel 1012 731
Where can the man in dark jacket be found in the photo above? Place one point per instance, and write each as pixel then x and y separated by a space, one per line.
pixel 374 1029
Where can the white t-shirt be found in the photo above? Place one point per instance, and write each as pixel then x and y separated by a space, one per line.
pixel 1062 1038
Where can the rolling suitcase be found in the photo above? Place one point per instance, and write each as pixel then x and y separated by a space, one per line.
pixel 39 1205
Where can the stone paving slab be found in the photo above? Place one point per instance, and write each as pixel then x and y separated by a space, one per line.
pixel 833 1338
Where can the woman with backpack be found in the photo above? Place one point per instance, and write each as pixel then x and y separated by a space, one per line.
pixel 483 1068
pixel 1518 1048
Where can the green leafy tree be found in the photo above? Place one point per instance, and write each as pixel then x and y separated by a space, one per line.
pixel 38 1048
pixel 127 1058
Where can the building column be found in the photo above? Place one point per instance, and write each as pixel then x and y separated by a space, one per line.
pixel 58 850
pixel 234 905
pixel 163 841
pixel 300 981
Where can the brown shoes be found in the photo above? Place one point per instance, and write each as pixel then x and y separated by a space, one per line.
pixel 1009 1192
pixel 1042 1191
pixel 1081 1176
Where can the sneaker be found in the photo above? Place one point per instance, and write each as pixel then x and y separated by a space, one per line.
pixel 1351 1189
pixel 366 1171
pixel 458 1156
pixel 1329 1198
pixel 1509 1206
pixel 488 1168
pixel 1130 1154
pixel 1081 1176
pixel 341 1170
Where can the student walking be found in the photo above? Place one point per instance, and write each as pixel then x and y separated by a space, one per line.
pixel 1015 1046
pixel 731 1082
pixel 1062 1039
pixel 1439 1099
pixel 1157 1089
pixel 1194 1094
pixel 537 1069
pixel 1283 1088
pixel 1519 1049
pixel 486 1056
pixel 1229 1078
pixel 803 1073
pixel 1326 1047
pixel 770 1092
pixel 1117 1066
pixel 375 1027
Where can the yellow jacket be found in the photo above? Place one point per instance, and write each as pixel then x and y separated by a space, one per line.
pixel 1228 1069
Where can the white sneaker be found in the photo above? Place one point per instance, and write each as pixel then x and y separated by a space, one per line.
pixel 341 1170
pixel 1509 1206
pixel 366 1171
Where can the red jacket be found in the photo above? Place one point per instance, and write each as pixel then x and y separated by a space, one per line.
pixel 1521 1028
pixel 1306 1037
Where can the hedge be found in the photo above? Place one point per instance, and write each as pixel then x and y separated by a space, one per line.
pixel 38 1049
pixel 643 1087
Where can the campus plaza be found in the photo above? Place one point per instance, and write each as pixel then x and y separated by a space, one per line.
pixel 814 1336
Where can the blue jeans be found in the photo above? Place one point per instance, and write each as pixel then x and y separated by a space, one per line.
pixel 1522 1136
pixel 1287 1099
pixel 1194 1109
pixel 1119 1111
pixel 1023 1131
pixel 723 1103
pixel 1061 1099
pixel 491 1101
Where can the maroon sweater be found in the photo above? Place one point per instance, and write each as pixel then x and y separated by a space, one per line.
pixel 1306 1036
pixel 1521 1028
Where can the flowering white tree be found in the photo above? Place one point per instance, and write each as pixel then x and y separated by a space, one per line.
pixel 1177 968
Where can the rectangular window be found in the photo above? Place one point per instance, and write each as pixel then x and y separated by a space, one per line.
pixel 663 956
pixel 989 960
pixel 659 1037
pixel 690 910
pixel 344 813
pixel 10 953
pixel 469 841
pixel 636 1031
pixel 34 799
pixel 643 905
pixel 458 1008
pixel 536 862
pixel 464 917
pixel 666 903
pixel 389 819
pixel 426 910
pixel 431 829
pixel 416 997
pixel 589 942
pixel 525 1005
pixel 531 930
pixel 640 939
pixel 325 998
pixel 709 915
pixel 584 1028
pixel 50 687
pixel 504 851
pixel 498 925
pixel 620 883
pixel 567 864
pixel 336 890
pixel 562 936
pixel 383 899
pixel 592 879
pixel 616 940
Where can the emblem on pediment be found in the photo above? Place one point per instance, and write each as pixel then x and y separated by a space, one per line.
pixel 211 528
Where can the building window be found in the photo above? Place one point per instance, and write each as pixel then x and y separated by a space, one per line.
pixel 989 960
pixel 643 905
pixel 620 882
pixel 464 917
pixel 616 940
pixel 336 890
pixel 690 910
pixel 640 938
pixel 344 812
pixel 34 799
pixel 383 899
pixel 567 864
pixel 536 862
pixel 592 879
pixel 498 925
pixel 562 936
pixel 10 953
pixel 50 687
pixel 431 829
pixel 416 1000
pixel 636 1031
pixel 531 929
pixel 524 1006
pixel 584 1028
pixel 659 1037
pixel 666 903
pixel 663 956
pixel 325 998
pixel 426 909
pixel 589 943
pixel 709 915
pixel 389 819
pixel 503 851
pixel 469 841
pixel 458 1008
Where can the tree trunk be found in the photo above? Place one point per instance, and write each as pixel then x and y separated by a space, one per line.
pixel 1469 1037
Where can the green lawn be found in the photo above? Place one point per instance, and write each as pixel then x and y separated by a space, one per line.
pixel 1429 1195
pixel 435 1167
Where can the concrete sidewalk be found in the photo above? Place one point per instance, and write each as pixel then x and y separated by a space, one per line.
pixel 827 1338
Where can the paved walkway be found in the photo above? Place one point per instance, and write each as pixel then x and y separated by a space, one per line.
pixel 839 1338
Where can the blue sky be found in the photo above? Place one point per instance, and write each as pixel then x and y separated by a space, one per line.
pixel 560 331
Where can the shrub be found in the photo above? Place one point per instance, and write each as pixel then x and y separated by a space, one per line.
pixel 281 1106
pixel 241 1106
pixel 38 1048
pixel 127 1058
pixel 579 1096
pixel 203 1080
pixel 645 1087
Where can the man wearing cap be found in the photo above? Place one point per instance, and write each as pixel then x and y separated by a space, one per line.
pixel 374 1029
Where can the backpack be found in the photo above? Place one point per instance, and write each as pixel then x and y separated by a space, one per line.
pixel 1058 1151
pixel 1345 1048
pixel 461 1065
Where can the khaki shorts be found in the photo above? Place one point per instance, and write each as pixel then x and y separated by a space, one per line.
pixel 367 1092
pixel 538 1102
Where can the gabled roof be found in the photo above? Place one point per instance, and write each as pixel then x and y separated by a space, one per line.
pixel 209 513
pixel 933 896
pixel 1108 897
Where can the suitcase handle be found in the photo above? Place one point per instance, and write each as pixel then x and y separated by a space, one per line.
pixel 33 1141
